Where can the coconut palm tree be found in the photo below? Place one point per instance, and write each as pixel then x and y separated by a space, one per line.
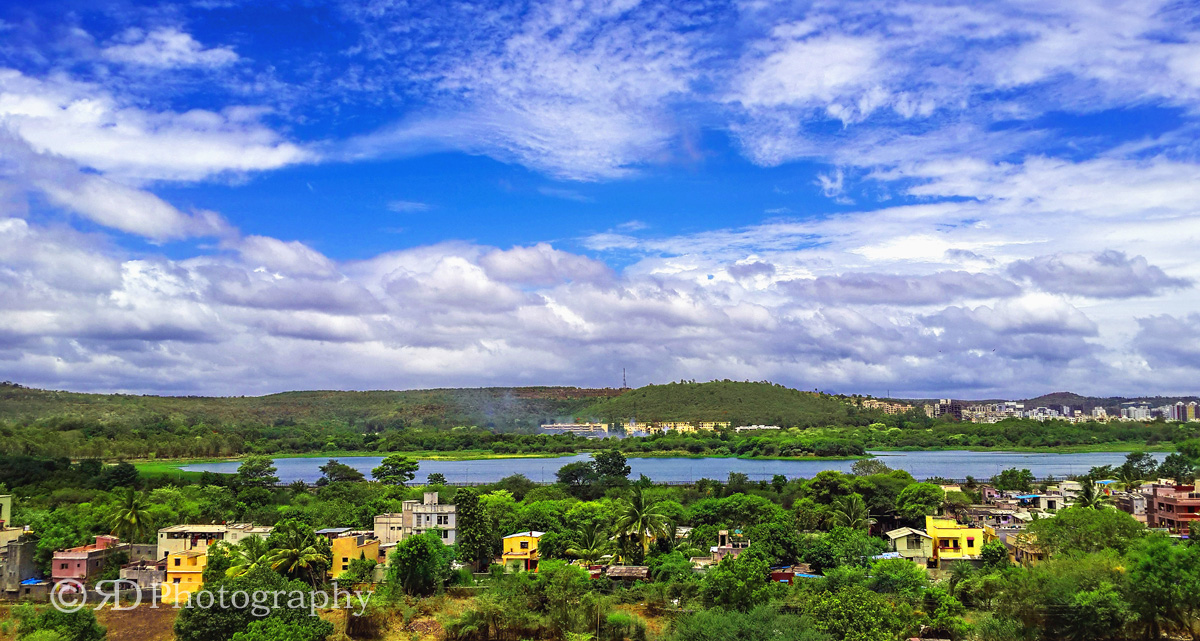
pixel 851 511
pixel 592 545
pixel 1089 496
pixel 246 555
pixel 132 521
pixel 642 517
pixel 297 552
pixel 1129 478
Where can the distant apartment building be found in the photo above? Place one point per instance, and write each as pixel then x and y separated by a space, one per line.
pixel 1173 507
pixel 1135 412
pixel 183 538
pixel 948 407
pixel 753 428
pixel 1099 414
pixel 713 425
pixel 84 562
pixel 415 518
pixel 886 407
pixel 683 427
pixel 589 430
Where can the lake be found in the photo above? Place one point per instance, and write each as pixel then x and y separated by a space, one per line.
pixel 953 464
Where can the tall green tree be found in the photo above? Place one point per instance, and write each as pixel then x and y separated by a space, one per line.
pixel 1013 479
pixel 246 555
pixel 591 544
pixel 337 472
pixel 739 582
pixel 1090 497
pixel 297 552
pixel 475 539
pixel 642 517
pixel 419 566
pixel 920 500
pixel 395 469
pixel 257 471
pixel 132 520
pixel 851 512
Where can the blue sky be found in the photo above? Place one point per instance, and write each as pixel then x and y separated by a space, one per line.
pixel 931 198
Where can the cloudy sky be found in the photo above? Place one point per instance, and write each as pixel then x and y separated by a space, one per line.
pixel 235 197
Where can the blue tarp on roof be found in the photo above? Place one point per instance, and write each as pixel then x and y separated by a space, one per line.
pixel 31 581
pixel 1027 496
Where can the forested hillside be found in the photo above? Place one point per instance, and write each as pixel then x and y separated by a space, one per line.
pixel 740 403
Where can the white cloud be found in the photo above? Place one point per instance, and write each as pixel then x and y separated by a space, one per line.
pixel 166 48
pixel 407 206
pixel 90 126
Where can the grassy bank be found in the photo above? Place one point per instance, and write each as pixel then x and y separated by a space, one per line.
pixel 1058 449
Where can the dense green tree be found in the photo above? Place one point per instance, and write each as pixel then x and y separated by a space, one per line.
pixel 994 554
pixel 738 582
pixel 610 464
pixel 920 500
pixel 591 545
pixel 475 538
pixel 435 478
pixel 257 471
pixel 223 621
pixel 898 576
pixel 80 625
pixel 853 614
pixel 419 566
pixel 298 553
pixel 764 623
pixel 123 474
pixel 1091 497
pixel 868 467
pixel 337 472
pixel 1164 585
pixel 1178 466
pixel 1013 479
pixel 1083 530
pixel 395 469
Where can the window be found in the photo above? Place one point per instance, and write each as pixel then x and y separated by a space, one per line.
pixel 524 545
pixel 445 534
pixel 345 567
pixel 176 562
pixel 176 580
pixel 970 543
pixel 62 566
pixel 443 520
pixel 914 543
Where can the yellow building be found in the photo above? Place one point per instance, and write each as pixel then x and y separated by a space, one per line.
pixel 521 550
pixel 683 427
pixel 713 425
pixel 953 540
pixel 185 575
pixel 347 548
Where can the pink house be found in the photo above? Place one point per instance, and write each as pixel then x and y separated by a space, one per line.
pixel 86 561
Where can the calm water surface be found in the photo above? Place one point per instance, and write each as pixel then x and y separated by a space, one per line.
pixel 952 464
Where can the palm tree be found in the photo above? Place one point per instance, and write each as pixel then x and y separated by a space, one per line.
pixel 299 563
pixel 298 553
pixel 1129 478
pixel 851 511
pixel 642 517
pixel 246 555
pixel 132 522
pixel 1089 496
pixel 592 545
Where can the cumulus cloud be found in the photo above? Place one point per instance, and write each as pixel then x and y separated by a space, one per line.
pixel 889 289
pixel 89 125
pixel 1107 274
pixel 541 264
pixel 165 48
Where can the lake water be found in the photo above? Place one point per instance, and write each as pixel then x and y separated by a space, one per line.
pixel 951 464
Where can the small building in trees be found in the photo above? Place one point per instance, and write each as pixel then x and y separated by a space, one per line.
pixel 521 550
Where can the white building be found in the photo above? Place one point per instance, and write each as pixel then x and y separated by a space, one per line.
pixel 415 518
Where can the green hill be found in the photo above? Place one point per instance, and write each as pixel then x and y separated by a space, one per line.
pixel 497 408
pixel 740 403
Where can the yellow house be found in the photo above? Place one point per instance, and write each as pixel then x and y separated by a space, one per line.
pixel 185 575
pixel 953 540
pixel 683 427
pixel 347 548
pixel 521 550
pixel 713 425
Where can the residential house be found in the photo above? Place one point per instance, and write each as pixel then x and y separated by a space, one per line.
pixel 17 565
pixel 349 546
pixel 953 541
pixel 85 562
pixel 1132 503
pixel 728 545
pixel 7 533
pixel 911 543
pixel 1172 507
pixel 713 425
pixel 147 575
pixel 185 575
pixel 183 538
pixel 416 517
pixel 521 550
